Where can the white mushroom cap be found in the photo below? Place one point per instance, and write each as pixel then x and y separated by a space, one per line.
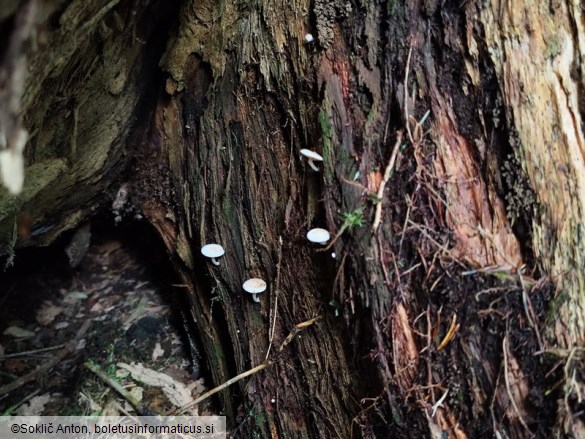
pixel 320 236
pixel 254 286
pixel 311 155
pixel 212 251
pixel 309 38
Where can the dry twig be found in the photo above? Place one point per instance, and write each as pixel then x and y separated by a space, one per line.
pixel 69 348
pixel 276 289
pixel 406 113
pixel 113 384
pixel 387 172
pixel 297 328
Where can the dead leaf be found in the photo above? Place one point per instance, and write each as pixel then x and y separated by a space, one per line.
pixel 177 393
pixel 137 393
pixel 47 313
pixel 18 332
pixel 93 406
pixel 34 407
pixel 74 296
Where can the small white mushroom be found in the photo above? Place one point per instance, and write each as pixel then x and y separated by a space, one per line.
pixel 309 38
pixel 254 286
pixel 312 156
pixel 319 236
pixel 212 251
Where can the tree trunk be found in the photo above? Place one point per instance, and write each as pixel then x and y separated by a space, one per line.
pixel 452 182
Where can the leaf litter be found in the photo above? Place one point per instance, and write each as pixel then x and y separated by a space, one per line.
pixel 134 338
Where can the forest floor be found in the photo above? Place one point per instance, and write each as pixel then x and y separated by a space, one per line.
pixel 113 314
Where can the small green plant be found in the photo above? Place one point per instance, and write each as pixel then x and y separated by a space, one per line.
pixel 352 219
pixel 111 370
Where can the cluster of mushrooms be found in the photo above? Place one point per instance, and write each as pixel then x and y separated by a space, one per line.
pixel 256 286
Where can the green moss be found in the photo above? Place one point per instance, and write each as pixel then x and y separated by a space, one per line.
pixel 37 177
pixel 259 420
pixel 218 358
pixel 391 7
pixel 553 46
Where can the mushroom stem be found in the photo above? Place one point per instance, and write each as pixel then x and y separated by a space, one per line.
pixel 255 298
pixel 312 165
pixel 215 261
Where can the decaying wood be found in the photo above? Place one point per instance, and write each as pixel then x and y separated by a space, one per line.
pixel 89 72
pixel 487 193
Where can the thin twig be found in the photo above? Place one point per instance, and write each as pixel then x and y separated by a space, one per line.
pixel 381 260
pixel 12 408
pixel 406 114
pixel 298 328
pixel 410 203
pixel 387 172
pixel 529 310
pixel 112 383
pixel 225 385
pixel 69 347
pixel 339 233
pixel 439 403
pixel 276 289
pixel 34 351
pixel 337 275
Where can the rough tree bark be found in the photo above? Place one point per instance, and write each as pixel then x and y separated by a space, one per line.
pixel 461 312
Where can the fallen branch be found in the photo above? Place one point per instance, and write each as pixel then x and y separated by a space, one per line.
pixel 113 384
